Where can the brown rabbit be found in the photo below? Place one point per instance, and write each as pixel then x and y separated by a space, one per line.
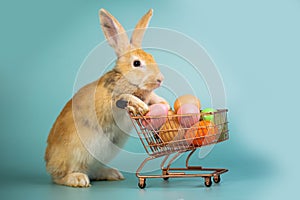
pixel 90 128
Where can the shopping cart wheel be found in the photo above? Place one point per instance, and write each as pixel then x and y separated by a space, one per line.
pixel 217 179
pixel 142 183
pixel 165 173
pixel 207 181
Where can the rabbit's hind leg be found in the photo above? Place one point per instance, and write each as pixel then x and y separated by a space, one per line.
pixel 109 174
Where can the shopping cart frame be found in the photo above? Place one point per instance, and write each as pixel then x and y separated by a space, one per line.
pixel 171 150
pixel 180 172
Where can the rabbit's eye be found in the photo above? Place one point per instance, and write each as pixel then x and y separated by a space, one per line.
pixel 136 63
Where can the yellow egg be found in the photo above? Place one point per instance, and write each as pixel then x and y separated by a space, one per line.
pixel 171 112
pixel 171 130
pixel 186 99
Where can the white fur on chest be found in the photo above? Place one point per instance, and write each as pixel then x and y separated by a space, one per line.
pixel 103 143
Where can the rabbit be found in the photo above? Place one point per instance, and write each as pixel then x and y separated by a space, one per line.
pixel 91 122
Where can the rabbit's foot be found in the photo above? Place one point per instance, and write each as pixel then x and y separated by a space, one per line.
pixel 109 174
pixel 112 174
pixel 74 180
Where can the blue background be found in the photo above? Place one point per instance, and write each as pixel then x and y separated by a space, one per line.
pixel 255 45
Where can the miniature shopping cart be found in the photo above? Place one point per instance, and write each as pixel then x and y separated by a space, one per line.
pixel 172 140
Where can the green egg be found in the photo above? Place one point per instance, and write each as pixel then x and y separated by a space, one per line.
pixel 208 117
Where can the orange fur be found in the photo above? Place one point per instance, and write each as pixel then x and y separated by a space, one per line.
pixel 87 133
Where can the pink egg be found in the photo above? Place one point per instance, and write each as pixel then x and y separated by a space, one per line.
pixel 154 120
pixel 190 120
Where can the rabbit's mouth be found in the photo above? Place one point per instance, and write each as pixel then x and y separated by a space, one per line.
pixel 151 86
pixel 153 82
pixel 158 84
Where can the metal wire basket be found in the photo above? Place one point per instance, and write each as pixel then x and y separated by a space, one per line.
pixel 162 141
pixel 174 137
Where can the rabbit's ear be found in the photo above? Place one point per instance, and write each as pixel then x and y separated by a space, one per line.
pixel 114 32
pixel 139 31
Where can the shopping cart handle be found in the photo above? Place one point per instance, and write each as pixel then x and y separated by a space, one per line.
pixel 122 103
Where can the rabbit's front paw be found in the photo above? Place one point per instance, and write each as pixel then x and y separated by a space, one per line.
pixel 138 107
pixel 132 104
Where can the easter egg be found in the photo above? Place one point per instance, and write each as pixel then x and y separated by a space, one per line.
pixel 202 133
pixel 207 114
pixel 171 130
pixel 156 116
pixel 171 113
pixel 188 115
pixel 186 99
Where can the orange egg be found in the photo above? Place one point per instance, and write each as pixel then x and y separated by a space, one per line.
pixel 186 99
pixel 202 133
